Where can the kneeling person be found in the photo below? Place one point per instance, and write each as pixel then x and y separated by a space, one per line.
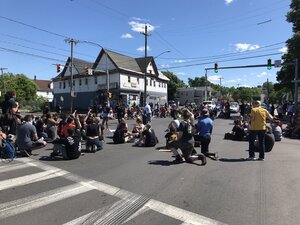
pixel 69 147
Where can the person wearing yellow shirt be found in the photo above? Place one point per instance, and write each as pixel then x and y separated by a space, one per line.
pixel 258 126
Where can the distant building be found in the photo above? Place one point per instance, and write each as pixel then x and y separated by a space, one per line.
pixel 45 89
pixel 193 94
pixel 125 77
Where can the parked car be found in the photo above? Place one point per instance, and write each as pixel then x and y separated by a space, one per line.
pixel 234 107
pixel 211 104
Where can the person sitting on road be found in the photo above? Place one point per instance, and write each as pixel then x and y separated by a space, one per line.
pixel 276 130
pixel 185 141
pixel 68 148
pixel 148 137
pixel 138 128
pixel 93 134
pixel 121 134
pixel 27 138
pixel 237 133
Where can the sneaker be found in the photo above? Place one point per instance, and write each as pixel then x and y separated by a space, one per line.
pixel 26 153
pixel 178 159
pixel 261 159
pixel 250 159
pixel 203 159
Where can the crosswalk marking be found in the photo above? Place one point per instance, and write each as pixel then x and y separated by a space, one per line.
pixel 32 178
pixel 134 204
pixel 12 167
pixel 112 215
pixel 35 201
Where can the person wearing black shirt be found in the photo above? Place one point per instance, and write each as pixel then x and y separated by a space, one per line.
pixel 93 133
pixel 148 136
pixel 185 141
pixel 69 147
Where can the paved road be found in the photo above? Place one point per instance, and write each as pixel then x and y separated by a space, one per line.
pixel 132 185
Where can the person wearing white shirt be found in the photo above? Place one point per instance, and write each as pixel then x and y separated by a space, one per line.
pixel 148 112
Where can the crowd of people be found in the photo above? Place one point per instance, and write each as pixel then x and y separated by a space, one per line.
pixel 67 132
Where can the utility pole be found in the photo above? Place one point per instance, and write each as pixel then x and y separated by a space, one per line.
pixel 145 78
pixel 4 88
pixel 72 93
pixel 296 87
pixel 268 92
pixel 205 94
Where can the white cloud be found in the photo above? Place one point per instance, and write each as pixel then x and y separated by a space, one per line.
pixel 164 65
pixel 179 61
pixel 181 74
pixel 140 27
pixel 283 50
pixel 126 36
pixel 232 81
pixel 138 19
pixel 227 2
pixel 214 78
pixel 142 48
pixel 263 74
pixel 241 47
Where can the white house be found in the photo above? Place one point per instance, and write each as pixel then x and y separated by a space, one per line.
pixel 193 94
pixel 124 74
pixel 45 89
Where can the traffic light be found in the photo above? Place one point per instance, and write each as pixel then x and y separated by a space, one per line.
pixel 58 68
pixel 216 67
pixel 86 70
pixel 269 66
pixel 109 95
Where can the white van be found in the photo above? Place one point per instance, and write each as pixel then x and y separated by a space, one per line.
pixel 211 104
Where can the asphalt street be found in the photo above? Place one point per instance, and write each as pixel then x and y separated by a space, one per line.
pixel 124 184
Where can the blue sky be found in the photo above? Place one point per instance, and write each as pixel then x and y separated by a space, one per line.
pixel 197 33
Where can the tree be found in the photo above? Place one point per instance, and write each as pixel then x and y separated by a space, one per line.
pixel 173 84
pixel 198 82
pixel 286 74
pixel 25 88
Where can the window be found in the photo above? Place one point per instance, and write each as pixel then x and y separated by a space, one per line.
pixel 86 81
pixel 128 79
pixel 150 71
pixel 150 82
pixel 69 83
pixel 64 85
pixel 154 83
pixel 158 84
pixel 59 85
pixel 96 80
pixel 73 82
pixel 146 81
pixel 138 80
pixel 79 82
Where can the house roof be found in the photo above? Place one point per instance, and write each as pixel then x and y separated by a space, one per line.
pixel 43 85
pixel 79 66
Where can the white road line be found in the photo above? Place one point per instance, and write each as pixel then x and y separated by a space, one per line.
pixel 35 201
pixel 160 207
pixel 12 167
pixel 79 220
pixel 32 178
pixel 180 214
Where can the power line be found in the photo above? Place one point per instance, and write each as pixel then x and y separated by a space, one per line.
pixel 34 27
pixel 229 60
pixel 30 54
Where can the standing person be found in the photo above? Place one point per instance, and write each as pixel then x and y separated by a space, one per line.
pixel 105 114
pixel 258 126
pixel 185 141
pixel 204 128
pixel 148 113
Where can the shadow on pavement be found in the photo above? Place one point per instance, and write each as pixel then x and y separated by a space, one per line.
pixel 232 160
pixel 161 162
pixel 48 158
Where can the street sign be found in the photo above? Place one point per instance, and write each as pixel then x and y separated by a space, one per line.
pixel 277 63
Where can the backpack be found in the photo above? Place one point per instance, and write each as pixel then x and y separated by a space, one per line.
pixel 9 149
